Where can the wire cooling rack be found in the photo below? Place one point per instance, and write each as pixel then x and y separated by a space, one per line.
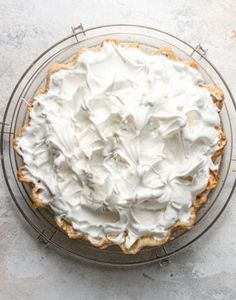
pixel 16 114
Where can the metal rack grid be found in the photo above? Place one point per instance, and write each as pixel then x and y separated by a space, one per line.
pixel 16 114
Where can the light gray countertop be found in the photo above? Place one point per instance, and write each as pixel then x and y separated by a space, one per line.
pixel 28 270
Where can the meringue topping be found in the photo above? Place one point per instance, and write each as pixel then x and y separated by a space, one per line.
pixel 121 143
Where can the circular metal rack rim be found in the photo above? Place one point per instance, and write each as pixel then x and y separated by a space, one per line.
pixel 48 238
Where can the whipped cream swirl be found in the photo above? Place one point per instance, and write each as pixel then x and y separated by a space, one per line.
pixel 121 143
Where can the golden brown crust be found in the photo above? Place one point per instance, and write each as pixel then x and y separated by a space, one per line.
pixel 221 144
pixel 146 241
pixel 216 93
pixel 167 52
pixel 67 227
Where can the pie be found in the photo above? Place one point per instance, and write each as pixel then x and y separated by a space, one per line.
pixel 123 145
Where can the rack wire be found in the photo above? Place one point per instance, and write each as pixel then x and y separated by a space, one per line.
pixel 16 114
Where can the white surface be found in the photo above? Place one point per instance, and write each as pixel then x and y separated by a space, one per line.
pixel 28 270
